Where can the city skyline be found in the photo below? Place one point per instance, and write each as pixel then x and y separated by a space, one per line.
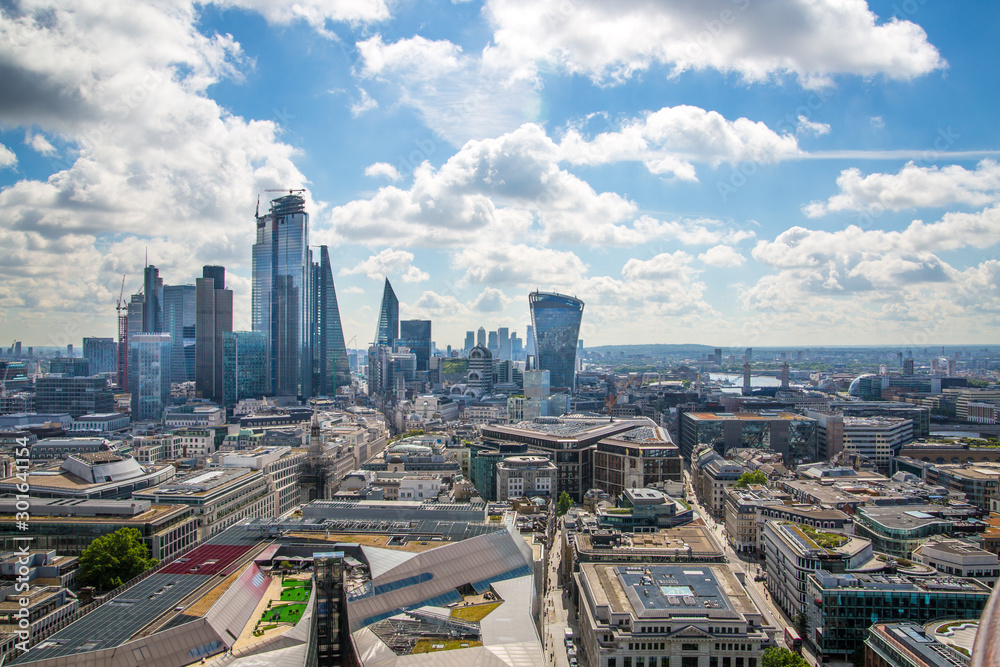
pixel 703 180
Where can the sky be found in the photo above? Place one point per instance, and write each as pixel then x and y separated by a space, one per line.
pixel 726 172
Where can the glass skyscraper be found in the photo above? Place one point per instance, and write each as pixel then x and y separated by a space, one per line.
pixel 555 319
pixel 416 335
pixel 330 366
pixel 245 365
pixel 214 311
pixel 102 354
pixel 179 322
pixel 149 371
pixel 282 300
pixel 388 318
pixel 152 310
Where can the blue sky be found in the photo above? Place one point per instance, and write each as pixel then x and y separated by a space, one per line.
pixel 726 172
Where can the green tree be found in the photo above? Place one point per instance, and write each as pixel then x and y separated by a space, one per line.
pixel 565 502
pixel 801 622
pixel 777 656
pixel 751 477
pixel 113 559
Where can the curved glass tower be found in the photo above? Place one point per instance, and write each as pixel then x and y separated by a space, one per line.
pixel 556 319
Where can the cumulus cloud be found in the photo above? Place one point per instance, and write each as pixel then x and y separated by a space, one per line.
pixel 806 126
pixel 518 265
pixel 490 300
pixel 662 266
pixel 458 97
pixel 610 43
pixel 363 104
pixel 315 12
pixel 912 187
pixel 39 143
pixel 7 157
pixel 384 170
pixel 670 140
pixel 123 84
pixel 388 263
pixel 722 256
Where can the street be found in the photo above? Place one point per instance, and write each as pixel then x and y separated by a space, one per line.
pixel 556 614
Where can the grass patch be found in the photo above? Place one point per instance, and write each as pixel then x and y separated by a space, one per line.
pixel 286 613
pixel 426 645
pixel 295 583
pixel 825 540
pixel 474 613
pixel 296 593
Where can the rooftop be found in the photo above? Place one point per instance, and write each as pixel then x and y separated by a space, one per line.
pixel 748 416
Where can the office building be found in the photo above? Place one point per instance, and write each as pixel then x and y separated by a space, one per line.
pixel 179 321
pixel 516 347
pixel 214 316
pixel 481 337
pixel 556 320
pixel 667 616
pixel 388 318
pixel 152 307
pixel 908 645
pixel 636 459
pixel 525 476
pixel 470 341
pixel 244 366
pixel 898 530
pixel 529 342
pixel 75 396
pixel 792 435
pixel 416 336
pixel 149 371
pixel 102 353
pixel 959 558
pixel 330 366
pixel 842 607
pixel 480 376
pixel 70 366
pixel 281 301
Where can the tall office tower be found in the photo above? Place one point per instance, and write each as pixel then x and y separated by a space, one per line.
pixel 492 344
pixel 480 375
pixel 516 347
pixel 70 367
pixel 152 308
pixel 718 356
pixel 481 337
pixel 213 319
pixel 529 342
pixel 244 366
pixel 747 385
pixel 470 341
pixel 149 367
pixel 388 317
pixel 179 321
pixel 785 376
pixel 503 342
pixel 416 335
pixel 330 366
pixel 69 350
pixel 102 354
pixel 952 367
pixel 908 366
pixel 556 321
pixel 281 295
pixel 128 326
pixel 748 355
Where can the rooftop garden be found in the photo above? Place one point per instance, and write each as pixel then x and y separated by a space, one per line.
pixel 475 613
pixel 432 645
pixel 824 540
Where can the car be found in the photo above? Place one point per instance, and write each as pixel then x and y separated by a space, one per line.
pixel 573 662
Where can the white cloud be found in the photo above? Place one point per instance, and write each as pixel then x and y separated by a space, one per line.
pixel 383 169
pixel 315 12
pixel 458 97
pixel 363 104
pixel 660 267
pixel 490 300
pixel 670 140
pixel 123 84
pixel 807 126
pixel 519 265
pixel 7 157
pixel 913 187
pixel 876 122
pixel 39 143
pixel 439 305
pixel 388 263
pixel 612 42
pixel 722 256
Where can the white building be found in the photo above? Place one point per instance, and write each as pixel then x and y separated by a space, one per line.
pixel 525 475
pixel 960 559
pixel 199 415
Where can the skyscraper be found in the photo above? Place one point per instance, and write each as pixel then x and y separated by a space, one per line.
pixel 556 321
pixel 503 342
pixel 481 337
pixel 330 366
pixel 244 365
pixel 470 340
pixel 214 318
pixel 152 308
pixel 416 335
pixel 149 367
pixel 102 354
pixel 388 318
pixel 281 295
pixel 179 321
pixel 529 341
pixel 492 344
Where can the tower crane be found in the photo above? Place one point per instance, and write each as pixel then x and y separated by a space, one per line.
pixel 122 310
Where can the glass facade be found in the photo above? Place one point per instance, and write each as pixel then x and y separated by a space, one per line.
pixel 281 299
pixel 388 318
pixel 245 365
pixel 149 370
pixel 556 319
pixel 179 322
pixel 416 335
pixel 214 317
pixel 330 366
pixel 102 353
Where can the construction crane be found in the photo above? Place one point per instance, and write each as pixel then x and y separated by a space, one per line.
pixel 612 397
pixel 122 309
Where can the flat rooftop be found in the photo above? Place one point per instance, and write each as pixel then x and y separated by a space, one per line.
pixel 748 416
pixel 900 517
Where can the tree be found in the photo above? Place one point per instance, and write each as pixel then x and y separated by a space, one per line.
pixel 113 559
pixel 751 477
pixel 777 656
pixel 565 502
pixel 801 622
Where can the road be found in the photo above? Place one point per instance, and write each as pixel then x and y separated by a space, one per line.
pixel 773 614
pixel 558 613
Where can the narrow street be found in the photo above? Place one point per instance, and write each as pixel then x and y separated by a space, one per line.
pixel 557 613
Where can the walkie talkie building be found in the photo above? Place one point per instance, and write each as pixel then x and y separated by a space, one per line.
pixel 556 319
